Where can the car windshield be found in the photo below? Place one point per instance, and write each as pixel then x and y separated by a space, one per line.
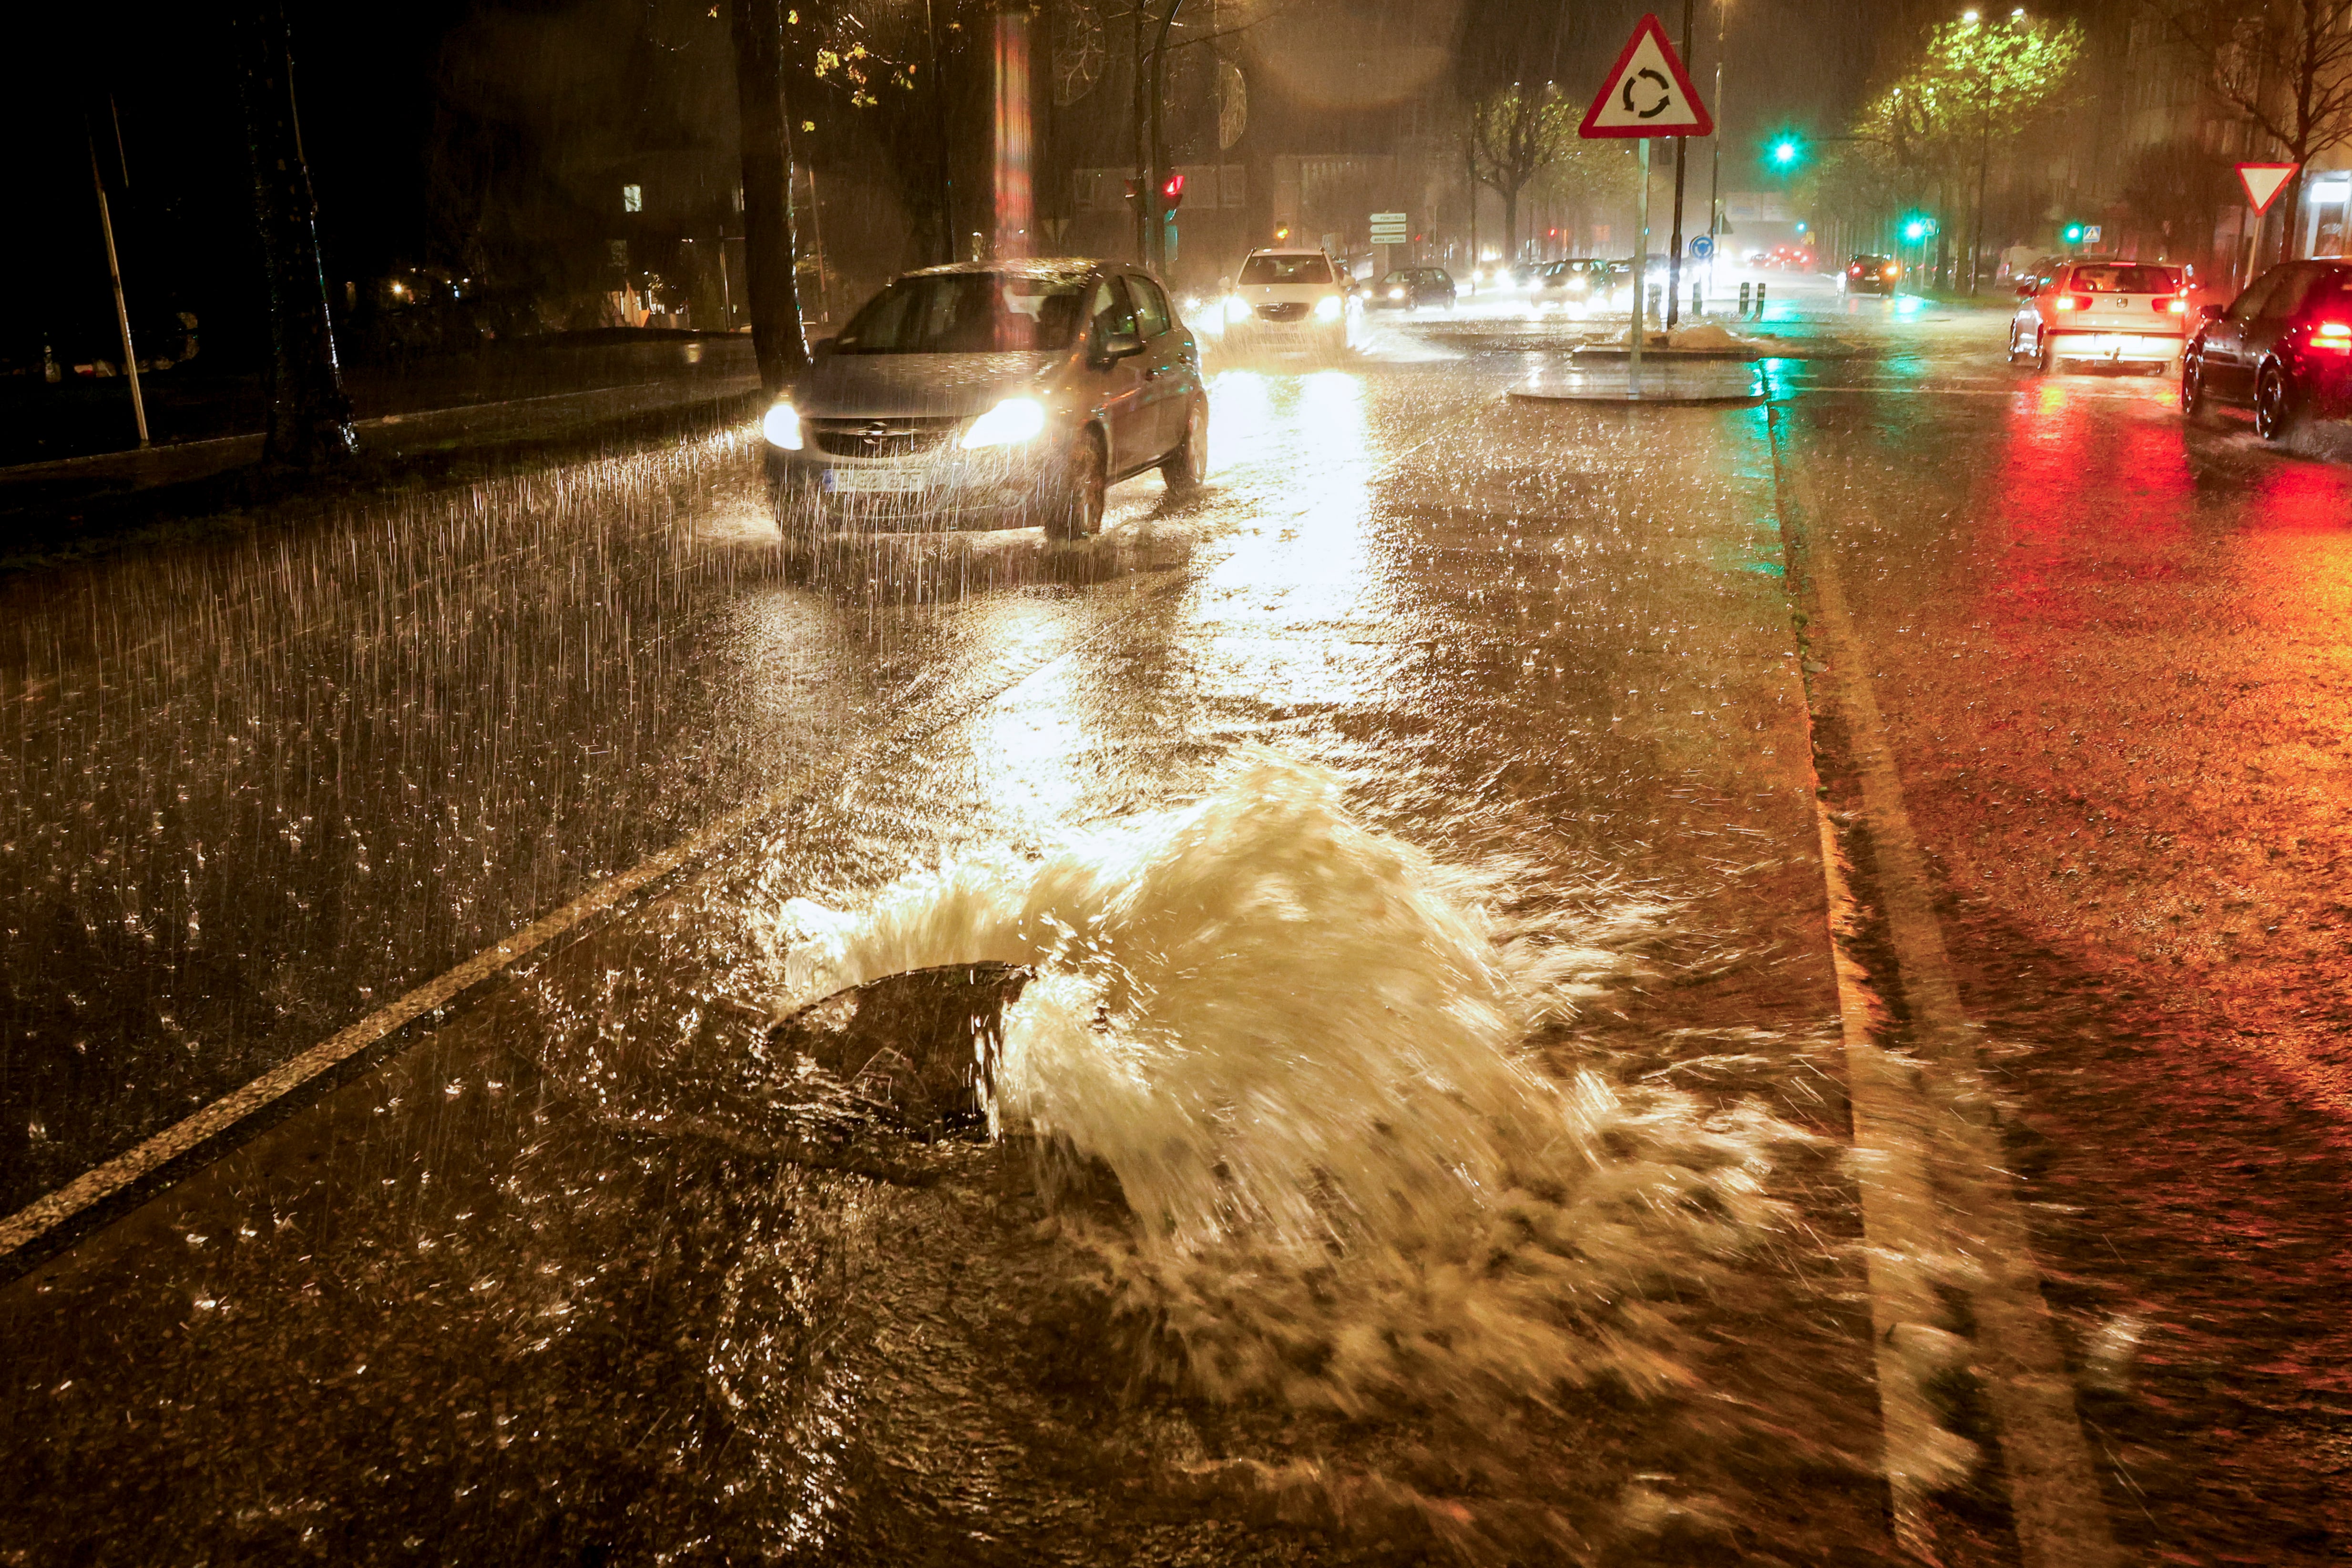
pixel 1397 278
pixel 1286 269
pixel 2124 279
pixel 966 313
pixel 1868 261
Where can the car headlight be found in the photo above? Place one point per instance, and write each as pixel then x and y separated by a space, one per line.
pixel 1396 293
pixel 1327 307
pixel 783 427
pixel 1009 424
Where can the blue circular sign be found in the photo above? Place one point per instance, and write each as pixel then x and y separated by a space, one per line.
pixel 1702 247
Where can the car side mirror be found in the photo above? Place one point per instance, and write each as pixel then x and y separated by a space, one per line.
pixel 819 349
pixel 2212 312
pixel 1117 346
pixel 2025 291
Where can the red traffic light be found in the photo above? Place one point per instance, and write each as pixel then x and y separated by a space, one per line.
pixel 1171 191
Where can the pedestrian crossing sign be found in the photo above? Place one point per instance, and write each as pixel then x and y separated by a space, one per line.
pixel 1647 92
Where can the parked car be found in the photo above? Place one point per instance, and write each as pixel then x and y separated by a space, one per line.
pixel 1870 275
pixel 993 394
pixel 1411 287
pixel 2118 311
pixel 2285 345
pixel 1299 297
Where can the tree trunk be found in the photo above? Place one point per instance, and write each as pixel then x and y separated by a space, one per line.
pixel 2289 215
pixel 772 256
pixel 1510 225
pixel 309 423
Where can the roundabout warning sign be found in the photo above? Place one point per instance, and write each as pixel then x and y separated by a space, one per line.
pixel 1647 92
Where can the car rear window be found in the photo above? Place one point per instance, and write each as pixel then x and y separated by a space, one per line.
pixel 1286 269
pixel 2124 279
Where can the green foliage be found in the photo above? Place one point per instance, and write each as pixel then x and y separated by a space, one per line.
pixel 1516 131
pixel 1974 85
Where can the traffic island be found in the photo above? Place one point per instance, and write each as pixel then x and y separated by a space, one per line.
pixel 1684 381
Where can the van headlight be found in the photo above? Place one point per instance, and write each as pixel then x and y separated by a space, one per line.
pixel 783 427
pixel 1009 424
pixel 1327 307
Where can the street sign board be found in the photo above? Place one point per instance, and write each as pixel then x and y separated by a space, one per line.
pixel 2091 234
pixel 1388 229
pixel 1647 92
pixel 1701 247
pixel 2264 182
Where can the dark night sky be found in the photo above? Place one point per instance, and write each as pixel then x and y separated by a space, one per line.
pixel 365 80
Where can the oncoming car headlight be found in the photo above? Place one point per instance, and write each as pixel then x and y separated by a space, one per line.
pixel 783 427
pixel 1396 293
pixel 1009 424
pixel 1327 307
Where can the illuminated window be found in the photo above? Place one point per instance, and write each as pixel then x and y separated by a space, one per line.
pixel 633 198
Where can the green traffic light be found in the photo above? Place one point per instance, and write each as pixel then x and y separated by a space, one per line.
pixel 1784 153
pixel 1914 230
pixel 2074 233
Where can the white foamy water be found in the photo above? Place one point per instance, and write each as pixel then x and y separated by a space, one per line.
pixel 1302 1046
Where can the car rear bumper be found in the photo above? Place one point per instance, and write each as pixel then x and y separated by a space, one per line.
pixel 2109 344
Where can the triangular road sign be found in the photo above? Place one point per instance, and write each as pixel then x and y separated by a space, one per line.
pixel 2264 182
pixel 1648 93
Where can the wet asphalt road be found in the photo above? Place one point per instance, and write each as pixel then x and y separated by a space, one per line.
pixel 484 1302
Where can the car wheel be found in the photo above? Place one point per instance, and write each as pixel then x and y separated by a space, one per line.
pixel 1187 467
pixel 2274 404
pixel 1077 511
pixel 2045 351
pixel 2192 387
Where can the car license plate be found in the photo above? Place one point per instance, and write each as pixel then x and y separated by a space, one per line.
pixel 889 481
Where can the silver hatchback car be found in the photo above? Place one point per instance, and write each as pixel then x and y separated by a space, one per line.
pixel 992 395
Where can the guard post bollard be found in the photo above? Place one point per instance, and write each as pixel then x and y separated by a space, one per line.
pixel 1743 299
pixel 1699 300
pixel 1657 301
pixel 1759 302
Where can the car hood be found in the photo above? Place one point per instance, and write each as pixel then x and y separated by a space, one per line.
pixel 861 386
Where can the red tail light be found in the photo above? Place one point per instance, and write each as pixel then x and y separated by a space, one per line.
pixel 2176 305
pixel 2335 337
pixel 2063 302
pixel 1891 271
pixel 1856 272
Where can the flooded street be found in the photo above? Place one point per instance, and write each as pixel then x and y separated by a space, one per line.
pixel 1360 1067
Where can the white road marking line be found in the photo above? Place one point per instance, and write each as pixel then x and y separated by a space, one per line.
pixel 2054 1499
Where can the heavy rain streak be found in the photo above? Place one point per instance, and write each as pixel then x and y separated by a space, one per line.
pixel 1220 782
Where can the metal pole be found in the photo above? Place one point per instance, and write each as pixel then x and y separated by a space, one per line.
pixel 940 110
pixel 121 310
pixel 1681 161
pixel 1641 267
pixel 1715 169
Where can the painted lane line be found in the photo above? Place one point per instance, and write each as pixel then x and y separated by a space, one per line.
pixel 101 1182
pixel 1899 1227
pixel 2060 1517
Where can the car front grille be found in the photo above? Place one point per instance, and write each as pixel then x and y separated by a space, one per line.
pixel 907 437
pixel 1286 311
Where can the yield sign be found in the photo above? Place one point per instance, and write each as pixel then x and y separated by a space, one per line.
pixel 2264 182
pixel 1648 93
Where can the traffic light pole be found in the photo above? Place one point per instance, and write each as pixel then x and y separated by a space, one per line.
pixel 1682 161
pixel 1155 223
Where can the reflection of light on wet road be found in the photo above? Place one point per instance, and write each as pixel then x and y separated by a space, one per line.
pixel 1302 565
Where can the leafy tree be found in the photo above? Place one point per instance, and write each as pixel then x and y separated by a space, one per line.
pixel 1974 86
pixel 2285 68
pixel 1515 133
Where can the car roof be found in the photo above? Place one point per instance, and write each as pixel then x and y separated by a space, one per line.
pixel 1051 268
